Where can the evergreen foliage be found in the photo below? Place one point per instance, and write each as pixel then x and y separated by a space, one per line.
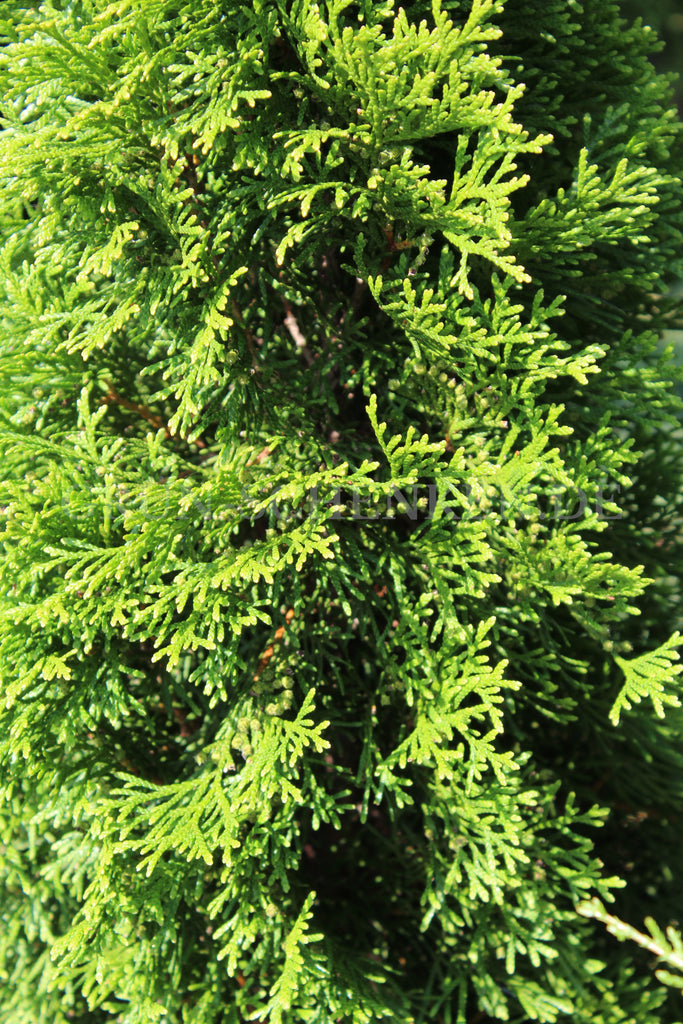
pixel 666 17
pixel 341 514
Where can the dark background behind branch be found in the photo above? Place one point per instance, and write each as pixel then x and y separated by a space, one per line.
pixel 666 17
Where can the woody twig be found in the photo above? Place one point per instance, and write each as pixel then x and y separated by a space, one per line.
pixel 113 397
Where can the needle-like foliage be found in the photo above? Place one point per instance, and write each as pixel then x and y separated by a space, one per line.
pixel 341 510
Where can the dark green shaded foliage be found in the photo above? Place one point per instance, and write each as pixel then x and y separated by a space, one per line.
pixel 269 751
pixel 666 18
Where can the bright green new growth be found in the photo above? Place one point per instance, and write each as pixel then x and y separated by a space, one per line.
pixel 341 504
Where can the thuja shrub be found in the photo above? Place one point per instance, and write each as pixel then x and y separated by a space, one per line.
pixel 341 514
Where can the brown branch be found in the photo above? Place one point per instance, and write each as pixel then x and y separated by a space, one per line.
pixel 394 246
pixel 296 333
pixel 270 650
pixel 114 398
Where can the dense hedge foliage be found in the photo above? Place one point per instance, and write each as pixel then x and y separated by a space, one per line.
pixel 341 514
pixel 666 18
